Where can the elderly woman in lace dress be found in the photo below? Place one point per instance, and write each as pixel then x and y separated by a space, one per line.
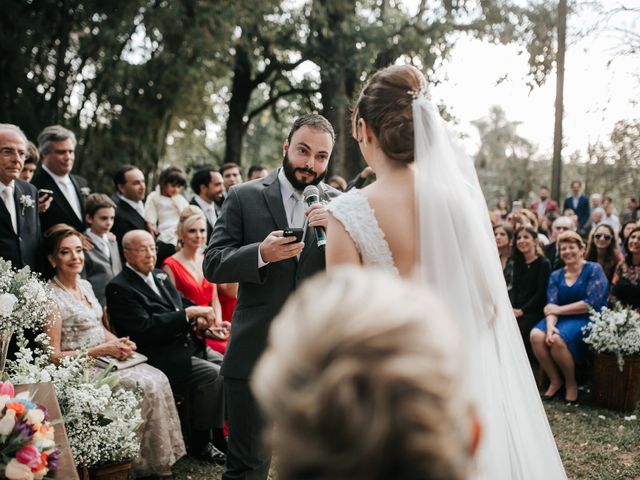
pixel 78 326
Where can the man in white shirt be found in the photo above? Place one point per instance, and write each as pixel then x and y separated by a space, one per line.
pixel 208 186
pixel 57 148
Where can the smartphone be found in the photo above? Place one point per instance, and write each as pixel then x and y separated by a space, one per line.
pixel 44 192
pixel 516 206
pixel 293 232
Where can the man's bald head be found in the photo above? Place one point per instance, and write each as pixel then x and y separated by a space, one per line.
pixel 140 250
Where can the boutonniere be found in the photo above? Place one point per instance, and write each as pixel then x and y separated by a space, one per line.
pixel 85 191
pixel 161 276
pixel 27 202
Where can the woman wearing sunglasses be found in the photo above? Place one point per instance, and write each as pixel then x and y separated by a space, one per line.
pixel 603 248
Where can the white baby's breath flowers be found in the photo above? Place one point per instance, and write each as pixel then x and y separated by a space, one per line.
pixel 27 202
pixel 615 331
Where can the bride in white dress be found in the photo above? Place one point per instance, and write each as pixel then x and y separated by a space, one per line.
pixel 425 217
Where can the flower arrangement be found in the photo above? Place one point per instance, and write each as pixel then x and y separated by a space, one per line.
pixel 27 447
pixel 25 300
pixel 615 331
pixel 101 421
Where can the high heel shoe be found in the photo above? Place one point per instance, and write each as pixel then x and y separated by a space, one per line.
pixel 548 398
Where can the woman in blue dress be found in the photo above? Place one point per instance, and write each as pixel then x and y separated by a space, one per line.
pixel 557 339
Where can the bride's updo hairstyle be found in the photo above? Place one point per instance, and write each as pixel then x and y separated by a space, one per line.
pixel 385 105
pixel 363 379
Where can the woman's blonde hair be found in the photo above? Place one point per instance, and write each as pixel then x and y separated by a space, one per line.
pixel 363 379
pixel 569 236
pixel 188 216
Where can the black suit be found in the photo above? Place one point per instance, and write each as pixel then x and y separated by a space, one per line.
pixel 60 210
pixel 209 226
pixel 552 254
pixel 24 247
pixel 250 212
pixel 158 325
pixel 127 218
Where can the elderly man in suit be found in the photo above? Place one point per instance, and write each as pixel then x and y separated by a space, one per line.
pixel 57 148
pixel 208 187
pixel 248 246
pixel 20 238
pixel 144 305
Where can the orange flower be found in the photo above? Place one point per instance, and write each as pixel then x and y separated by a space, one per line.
pixel 18 407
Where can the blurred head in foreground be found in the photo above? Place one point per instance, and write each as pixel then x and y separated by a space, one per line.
pixel 363 379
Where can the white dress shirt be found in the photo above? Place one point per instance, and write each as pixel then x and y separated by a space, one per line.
pixel 68 190
pixel 137 206
pixel 148 279
pixel 101 242
pixel 6 194
pixel 208 209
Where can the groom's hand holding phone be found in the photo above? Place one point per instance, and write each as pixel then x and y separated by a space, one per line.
pixel 280 245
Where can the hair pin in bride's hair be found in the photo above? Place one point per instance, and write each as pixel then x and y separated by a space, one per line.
pixel 423 92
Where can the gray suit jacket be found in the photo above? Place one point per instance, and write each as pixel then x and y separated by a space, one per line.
pixel 99 269
pixel 251 211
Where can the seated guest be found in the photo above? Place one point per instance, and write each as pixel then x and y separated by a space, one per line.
pixel 208 188
pixel 185 272
pixel 530 277
pixel 557 339
pixel 162 209
pixel 144 306
pixel 504 238
pixel 257 171
pixel 130 189
pixel 531 218
pixel 597 216
pixel 603 248
pixel 626 229
pixel 625 288
pixel 559 225
pixel 30 162
pixel 102 262
pixel 338 183
pixel 78 325
pixel 20 235
pixel 323 383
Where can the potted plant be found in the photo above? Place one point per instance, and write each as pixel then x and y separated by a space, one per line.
pixel 101 420
pixel 614 334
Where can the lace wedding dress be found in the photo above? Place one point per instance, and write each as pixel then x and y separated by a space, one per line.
pixel 459 262
pixel 160 435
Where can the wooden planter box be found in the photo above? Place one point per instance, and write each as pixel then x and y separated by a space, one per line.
pixel 615 389
pixel 114 471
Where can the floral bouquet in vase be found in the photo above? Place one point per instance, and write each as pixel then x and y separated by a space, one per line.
pixel 27 447
pixel 615 331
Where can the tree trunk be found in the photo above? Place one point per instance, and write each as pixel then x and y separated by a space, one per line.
pixel 556 169
pixel 238 106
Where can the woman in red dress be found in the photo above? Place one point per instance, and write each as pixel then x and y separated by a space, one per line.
pixel 184 268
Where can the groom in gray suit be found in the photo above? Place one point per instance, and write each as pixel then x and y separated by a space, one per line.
pixel 248 246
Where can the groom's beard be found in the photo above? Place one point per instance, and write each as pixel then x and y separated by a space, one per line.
pixel 290 173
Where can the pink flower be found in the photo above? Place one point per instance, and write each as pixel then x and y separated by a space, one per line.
pixel 29 455
pixel 6 388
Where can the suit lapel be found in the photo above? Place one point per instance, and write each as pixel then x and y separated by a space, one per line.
pixel 59 196
pixel 165 292
pixel 273 198
pixel 116 266
pixel 5 216
pixel 132 213
pixel 78 191
pixel 139 284
pixel 17 194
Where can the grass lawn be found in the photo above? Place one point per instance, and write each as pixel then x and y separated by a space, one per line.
pixel 594 444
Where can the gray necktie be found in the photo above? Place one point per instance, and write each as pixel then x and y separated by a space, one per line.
pixel 297 211
pixel 152 284
pixel 7 197
pixel 71 196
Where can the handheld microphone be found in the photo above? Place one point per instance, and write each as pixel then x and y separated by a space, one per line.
pixel 311 195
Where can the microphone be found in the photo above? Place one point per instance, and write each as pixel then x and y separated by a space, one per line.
pixel 311 195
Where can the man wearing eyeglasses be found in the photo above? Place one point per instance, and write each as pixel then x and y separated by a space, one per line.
pixel 144 305
pixel 20 238
pixel 560 224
